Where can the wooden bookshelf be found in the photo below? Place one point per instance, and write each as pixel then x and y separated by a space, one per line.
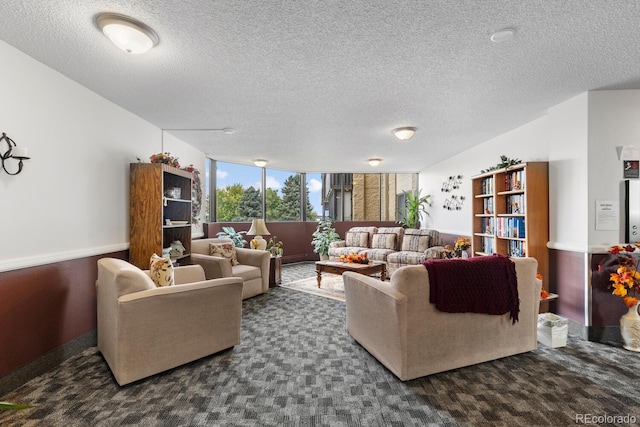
pixel 150 205
pixel 511 213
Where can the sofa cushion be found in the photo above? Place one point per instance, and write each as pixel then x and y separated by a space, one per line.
pixel 224 250
pixel 415 242
pixel 358 239
pixel 161 271
pixel 383 241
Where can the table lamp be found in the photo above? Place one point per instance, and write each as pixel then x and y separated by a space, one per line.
pixel 258 228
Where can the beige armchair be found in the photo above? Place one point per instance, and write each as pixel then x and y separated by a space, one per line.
pixel 144 330
pixel 398 326
pixel 253 265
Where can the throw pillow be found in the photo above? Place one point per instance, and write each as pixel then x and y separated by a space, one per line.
pixel 415 243
pixel 161 271
pixel 383 241
pixel 360 240
pixel 224 250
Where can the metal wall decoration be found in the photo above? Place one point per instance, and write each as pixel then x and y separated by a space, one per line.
pixel 13 152
pixel 452 184
pixel 454 203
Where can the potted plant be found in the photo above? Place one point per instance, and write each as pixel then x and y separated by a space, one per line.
pixel 414 206
pixel 274 246
pixel 236 236
pixel 323 236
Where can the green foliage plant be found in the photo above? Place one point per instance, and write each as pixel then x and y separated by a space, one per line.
pixel 414 205
pixel 324 235
pixel 505 163
pixel 7 405
pixel 236 236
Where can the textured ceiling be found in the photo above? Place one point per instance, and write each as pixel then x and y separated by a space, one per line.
pixel 317 85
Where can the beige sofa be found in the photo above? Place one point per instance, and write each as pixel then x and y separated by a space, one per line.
pixel 396 246
pixel 253 265
pixel 397 324
pixel 144 330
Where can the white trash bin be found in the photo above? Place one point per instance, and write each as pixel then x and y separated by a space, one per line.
pixel 552 330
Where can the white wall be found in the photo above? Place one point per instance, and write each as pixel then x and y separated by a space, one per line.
pixel 528 142
pixel 71 199
pixel 614 119
pixel 568 174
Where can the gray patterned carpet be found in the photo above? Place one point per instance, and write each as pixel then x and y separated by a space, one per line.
pixel 297 366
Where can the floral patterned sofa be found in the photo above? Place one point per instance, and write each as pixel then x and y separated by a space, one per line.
pixel 394 245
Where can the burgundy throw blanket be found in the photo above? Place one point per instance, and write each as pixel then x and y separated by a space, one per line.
pixel 486 284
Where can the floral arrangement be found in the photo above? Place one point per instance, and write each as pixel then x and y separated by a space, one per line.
pixel 626 280
pixel 462 244
pixel 274 246
pixel 362 258
pixel 165 158
pixel 544 294
pixel 196 187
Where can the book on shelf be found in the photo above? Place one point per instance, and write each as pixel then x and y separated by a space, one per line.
pixel 512 227
pixel 486 186
pixel 487 205
pixel 515 204
pixel 514 180
pixel 487 226
pixel 487 245
pixel 517 248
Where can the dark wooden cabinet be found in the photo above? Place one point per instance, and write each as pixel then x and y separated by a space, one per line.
pixel 275 270
pixel 158 214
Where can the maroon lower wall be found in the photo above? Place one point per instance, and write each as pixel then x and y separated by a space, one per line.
pixel 44 307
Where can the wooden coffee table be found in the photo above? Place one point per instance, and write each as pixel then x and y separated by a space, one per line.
pixel 338 267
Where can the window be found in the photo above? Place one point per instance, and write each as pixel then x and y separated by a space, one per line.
pixel 342 196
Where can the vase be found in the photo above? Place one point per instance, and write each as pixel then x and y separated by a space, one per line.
pixel 630 329
pixel 464 254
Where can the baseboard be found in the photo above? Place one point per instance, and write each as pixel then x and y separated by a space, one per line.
pixel 46 363
pixel 605 334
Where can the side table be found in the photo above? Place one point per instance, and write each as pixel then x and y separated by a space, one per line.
pixel 275 271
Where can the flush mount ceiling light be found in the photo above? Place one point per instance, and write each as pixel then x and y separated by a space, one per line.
pixel 502 35
pixel 375 162
pixel 260 163
pixel 404 133
pixel 128 34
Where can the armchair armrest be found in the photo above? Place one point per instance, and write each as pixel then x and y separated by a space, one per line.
pixel 338 244
pixel 377 318
pixel 257 258
pixel 188 274
pixel 254 257
pixel 214 267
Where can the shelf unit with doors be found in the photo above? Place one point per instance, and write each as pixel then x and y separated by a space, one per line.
pixel 511 213
pixel 160 211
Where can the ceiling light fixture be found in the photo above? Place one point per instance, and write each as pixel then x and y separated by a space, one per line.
pixel 128 34
pixel 502 35
pixel 375 162
pixel 404 133
pixel 260 163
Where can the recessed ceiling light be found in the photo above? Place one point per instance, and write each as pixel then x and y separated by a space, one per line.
pixel 260 163
pixel 404 133
pixel 375 162
pixel 229 131
pixel 128 34
pixel 502 35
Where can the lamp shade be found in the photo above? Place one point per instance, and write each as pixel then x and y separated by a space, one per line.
pixel 404 133
pixel 128 34
pixel 258 227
